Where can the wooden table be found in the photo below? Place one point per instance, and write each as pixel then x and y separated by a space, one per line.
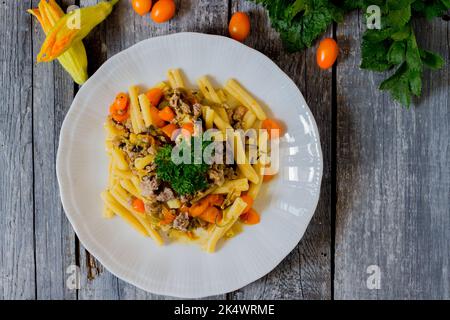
pixel 384 205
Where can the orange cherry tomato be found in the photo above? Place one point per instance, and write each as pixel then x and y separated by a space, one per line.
pixel 117 114
pixel 251 217
pixel 166 114
pixel 273 128
pixel 121 101
pixel 163 11
pixel 169 129
pixel 138 205
pixel 239 26
pixel 154 95
pixel 327 53
pixel 154 114
pixel 141 7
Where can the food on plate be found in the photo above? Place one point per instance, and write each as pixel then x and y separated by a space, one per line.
pixel 186 163
pixel 163 10
pixel 72 28
pixel 239 26
pixel 327 53
pixel 74 60
pixel 142 7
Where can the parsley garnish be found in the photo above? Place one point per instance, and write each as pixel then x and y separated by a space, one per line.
pixel 183 178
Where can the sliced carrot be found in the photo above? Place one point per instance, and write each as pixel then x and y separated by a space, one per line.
pixel 215 199
pixel 168 217
pixel 138 205
pixel 267 178
pixel 118 115
pixel 156 120
pixel 247 199
pixel 169 129
pixel 166 114
pixel 184 208
pixel 154 95
pixel 212 200
pixel 198 208
pixel 190 235
pixel 121 101
pixel 189 129
pixel 251 217
pixel 211 215
pixel 273 128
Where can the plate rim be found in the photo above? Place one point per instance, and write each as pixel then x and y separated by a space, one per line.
pixel 90 243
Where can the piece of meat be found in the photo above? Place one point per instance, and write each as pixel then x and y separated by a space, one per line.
pixel 197 110
pixel 238 116
pixel 186 198
pixel 181 222
pixel 149 185
pixel 154 208
pixel 151 167
pixel 185 108
pixel 230 115
pixel 239 112
pixel 216 174
pixel 173 100
pixel 166 195
pixel 151 150
pixel 229 173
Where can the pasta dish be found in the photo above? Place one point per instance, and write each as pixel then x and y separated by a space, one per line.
pixel 187 164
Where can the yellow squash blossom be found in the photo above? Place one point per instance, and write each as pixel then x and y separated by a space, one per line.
pixel 72 28
pixel 74 59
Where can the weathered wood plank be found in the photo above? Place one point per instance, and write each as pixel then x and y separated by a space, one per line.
pixel 305 273
pixel 55 240
pixel 393 178
pixel 17 263
pixel 96 282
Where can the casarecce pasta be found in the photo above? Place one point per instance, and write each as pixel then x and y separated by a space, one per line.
pixel 199 199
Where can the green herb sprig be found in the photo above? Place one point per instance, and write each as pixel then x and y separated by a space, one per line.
pixel 183 178
pixel 394 46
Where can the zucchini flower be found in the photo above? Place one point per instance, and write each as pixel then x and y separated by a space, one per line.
pixel 74 59
pixel 65 33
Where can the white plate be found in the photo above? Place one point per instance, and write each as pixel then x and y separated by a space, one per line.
pixel 286 204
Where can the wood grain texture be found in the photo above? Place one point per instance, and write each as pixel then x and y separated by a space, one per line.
pixel 393 178
pixel 17 264
pixel 392 164
pixel 53 92
pixel 96 281
pixel 306 272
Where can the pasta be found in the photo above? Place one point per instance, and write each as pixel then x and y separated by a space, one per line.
pixel 200 199
pixel 233 87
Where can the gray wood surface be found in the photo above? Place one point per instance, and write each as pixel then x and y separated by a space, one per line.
pixel 393 178
pixel 17 261
pixel 385 191
pixel 53 91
